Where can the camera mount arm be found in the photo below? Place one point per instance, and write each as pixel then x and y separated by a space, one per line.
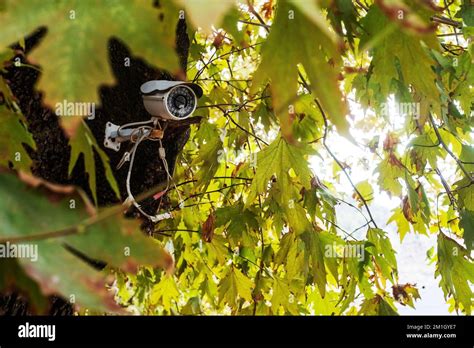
pixel 115 135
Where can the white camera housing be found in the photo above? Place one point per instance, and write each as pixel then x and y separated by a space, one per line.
pixel 170 100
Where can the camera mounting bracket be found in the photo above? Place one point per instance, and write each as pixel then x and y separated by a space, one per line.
pixel 115 135
pixel 112 139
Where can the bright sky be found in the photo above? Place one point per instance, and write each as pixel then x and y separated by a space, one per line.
pixel 411 253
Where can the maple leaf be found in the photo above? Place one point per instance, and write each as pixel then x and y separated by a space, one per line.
pixel 467 224
pixel 295 39
pixel 239 223
pixel 166 291
pixel 382 251
pixel 315 249
pixel 202 17
pixel 281 297
pixel 456 268
pixel 277 159
pixel 27 213
pixel 377 306
pixel 393 49
pixel 398 217
pixel 13 135
pixel 85 143
pixel 73 54
pixel 390 170
pixel 234 285
pixel 465 194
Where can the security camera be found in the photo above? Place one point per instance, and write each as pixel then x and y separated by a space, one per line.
pixel 165 100
pixel 170 100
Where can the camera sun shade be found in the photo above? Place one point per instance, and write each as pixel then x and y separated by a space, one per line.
pixel 172 100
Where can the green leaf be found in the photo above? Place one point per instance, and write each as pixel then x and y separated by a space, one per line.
pixel 315 250
pixel 308 123
pixel 465 194
pixel 12 276
pixel 381 249
pixel 415 64
pixel 210 153
pixel 343 15
pixel 324 306
pixel 467 224
pixel 73 55
pixel 166 290
pixel 286 243
pixel 277 159
pixel 467 155
pixel 295 39
pixel 229 23
pixel 234 285
pixel 281 297
pixel 265 115
pixel 65 234
pixel 13 135
pixel 377 306
pixel 201 16
pixel 365 189
pixel 85 143
pixel 403 226
pixel 218 249
pixel 456 269
pixel 390 171
pixel 6 56
pixel 424 150
pixel 466 13
pixel 418 201
pixel 239 224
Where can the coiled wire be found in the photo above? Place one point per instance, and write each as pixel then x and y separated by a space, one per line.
pixel 138 135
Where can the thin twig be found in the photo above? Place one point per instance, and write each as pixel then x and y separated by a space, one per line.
pixel 226 114
pixel 446 148
pixel 446 21
pixel 257 15
pixel 446 188
pixel 339 163
pixel 207 192
pixel 362 6
pixel 343 168
pixel 254 23
pixel 205 66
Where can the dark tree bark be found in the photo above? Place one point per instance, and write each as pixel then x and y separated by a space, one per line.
pixel 120 104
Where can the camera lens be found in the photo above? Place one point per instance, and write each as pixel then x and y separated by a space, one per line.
pixel 181 101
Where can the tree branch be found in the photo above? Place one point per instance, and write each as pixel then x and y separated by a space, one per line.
pixel 446 21
pixel 323 114
pixel 446 148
